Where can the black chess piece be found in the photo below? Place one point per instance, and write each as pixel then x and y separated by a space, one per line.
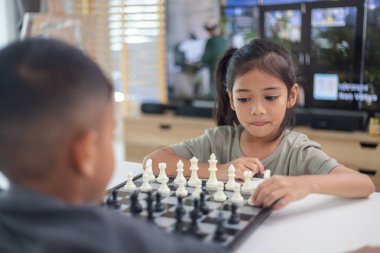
pixel 149 204
pixel 180 206
pixel 112 200
pixel 234 217
pixel 135 206
pixel 219 233
pixel 158 207
pixel 203 206
pixel 196 209
pixel 178 226
pixel 194 228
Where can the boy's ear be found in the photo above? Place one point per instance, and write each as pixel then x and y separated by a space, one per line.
pixel 84 153
pixel 292 96
pixel 231 100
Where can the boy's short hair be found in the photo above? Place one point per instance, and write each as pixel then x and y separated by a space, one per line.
pixel 49 93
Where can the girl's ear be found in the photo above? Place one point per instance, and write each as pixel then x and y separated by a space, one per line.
pixel 231 100
pixel 292 96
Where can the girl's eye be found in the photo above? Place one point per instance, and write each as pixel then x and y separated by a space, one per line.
pixel 243 100
pixel 271 98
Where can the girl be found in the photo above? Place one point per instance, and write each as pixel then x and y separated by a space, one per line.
pixel 257 90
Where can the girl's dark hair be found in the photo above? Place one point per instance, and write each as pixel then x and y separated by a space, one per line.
pixel 257 54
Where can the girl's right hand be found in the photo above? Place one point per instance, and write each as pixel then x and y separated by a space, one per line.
pixel 246 164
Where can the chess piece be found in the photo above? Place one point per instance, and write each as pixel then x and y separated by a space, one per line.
pixel 149 206
pixel 158 207
pixel 266 174
pixel 250 199
pixel 145 187
pixel 112 200
pixel 194 228
pixel 236 197
pixel 149 170
pixel 219 233
pixel 234 217
pixel 164 189
pixel 247 186
pixel 130 185
pixel 135 206
pixel 180 179
pixel 178 226
pixel 162 175
pixel 181 191
pixel 219 195
pixel 180 206
pixel 230 185
pixel 212 182
pixel 194 179
pixel 196 209
pixel 198 189
pixel 203 206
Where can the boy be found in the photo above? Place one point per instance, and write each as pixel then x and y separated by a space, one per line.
pixel 56 126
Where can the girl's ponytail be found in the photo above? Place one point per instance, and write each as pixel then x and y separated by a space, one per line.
pixel 222 113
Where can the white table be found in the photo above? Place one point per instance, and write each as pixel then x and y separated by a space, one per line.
pixel 318 223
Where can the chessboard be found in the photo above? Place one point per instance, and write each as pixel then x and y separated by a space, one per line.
pixel 223 223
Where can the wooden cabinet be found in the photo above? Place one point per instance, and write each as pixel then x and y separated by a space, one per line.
pixel 146 133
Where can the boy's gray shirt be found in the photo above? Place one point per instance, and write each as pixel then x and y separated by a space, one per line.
pixel 295 155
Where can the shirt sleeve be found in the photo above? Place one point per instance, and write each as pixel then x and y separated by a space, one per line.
pixel 311 160
pixel 199 147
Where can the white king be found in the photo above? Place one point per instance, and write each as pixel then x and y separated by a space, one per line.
pixel 212 182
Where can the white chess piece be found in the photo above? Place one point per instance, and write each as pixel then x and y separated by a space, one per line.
pixel 197 192
pixel 130 185
pixel 219 195
pixel 236 197
pixel 266 174
pixel 249 201
pixel 145 187
pixel 162 175
pixel 181 191
pixel 164 189
pixel 193 181
pixel 230 185
pixel 180 178
pixel 212 182
pixel 149 170
pixel 247 186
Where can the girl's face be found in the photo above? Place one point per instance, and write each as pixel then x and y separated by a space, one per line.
pixel 260 102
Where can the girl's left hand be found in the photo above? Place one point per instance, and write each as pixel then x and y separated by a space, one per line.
pixel 286 188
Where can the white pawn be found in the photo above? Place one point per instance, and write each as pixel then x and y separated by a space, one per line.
pixel 149 170
pixel 197 192
pixel 212 182
pixel 181 191
pixel 249 201
pixel 194 179
pixel 130 186
pixel 230 185
pixel 247 186
pixel 145 187
pixel 180 178
pixel 236 197
pixel 266 174
pixel 164 189
pixel 162 175
pixel 219 195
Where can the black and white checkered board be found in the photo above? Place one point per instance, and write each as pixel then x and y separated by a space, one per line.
pixel 250 217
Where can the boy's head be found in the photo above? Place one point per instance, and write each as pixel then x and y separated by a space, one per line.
pixel 56 117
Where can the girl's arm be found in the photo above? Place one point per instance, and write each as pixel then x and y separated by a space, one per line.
pixel 341 181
